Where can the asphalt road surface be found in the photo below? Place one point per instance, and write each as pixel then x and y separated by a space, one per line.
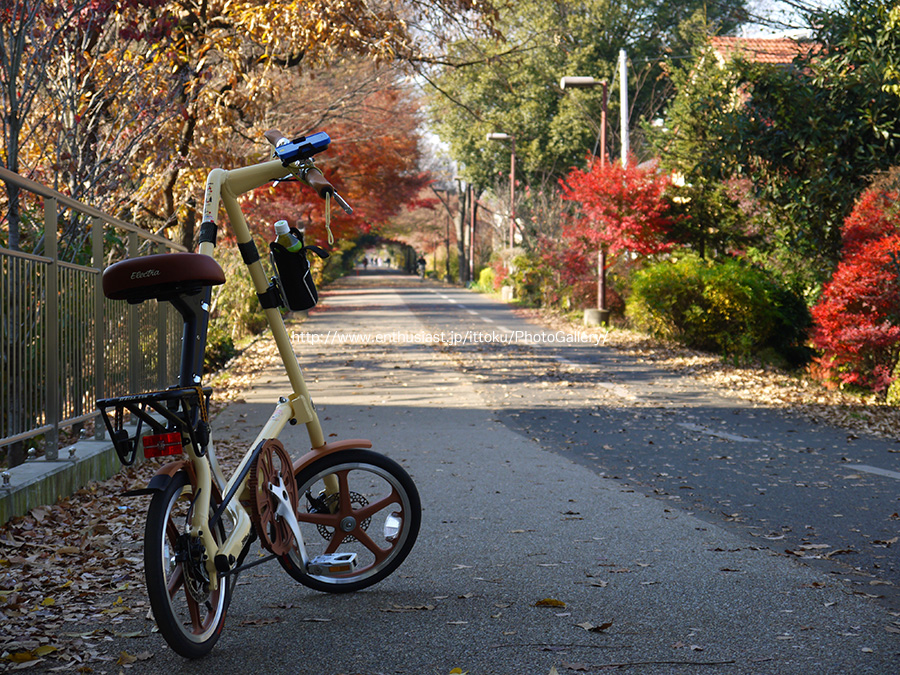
pixel 822 494
pixel 582 511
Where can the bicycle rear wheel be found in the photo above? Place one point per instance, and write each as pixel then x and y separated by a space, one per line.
pixel 188 613
pixel 375 515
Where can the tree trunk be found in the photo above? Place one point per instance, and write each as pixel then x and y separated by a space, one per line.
pixel 171 178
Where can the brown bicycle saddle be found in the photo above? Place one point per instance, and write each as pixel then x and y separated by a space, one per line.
pixel 160 276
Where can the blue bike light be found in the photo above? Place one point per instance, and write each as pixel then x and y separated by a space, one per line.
pixel 302 148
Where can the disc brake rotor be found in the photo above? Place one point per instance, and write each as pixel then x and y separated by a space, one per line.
pixel 329 504
pixel 273 463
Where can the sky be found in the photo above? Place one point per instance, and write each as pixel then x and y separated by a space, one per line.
pixel 786 18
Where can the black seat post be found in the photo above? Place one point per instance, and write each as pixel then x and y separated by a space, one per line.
pixel 194 309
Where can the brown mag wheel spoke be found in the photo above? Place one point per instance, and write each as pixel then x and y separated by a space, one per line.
pixel 346 505
pixel 335 542
pixel 370 510
pixel 194 610
pixel 176 581
pixel 367 541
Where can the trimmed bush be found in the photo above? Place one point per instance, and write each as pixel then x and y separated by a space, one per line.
pixel 485 282
pixel 726 307
pixel 530 278
pixel 235 311
pixel 220 347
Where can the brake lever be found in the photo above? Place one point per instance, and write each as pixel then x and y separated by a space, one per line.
pixel 342 203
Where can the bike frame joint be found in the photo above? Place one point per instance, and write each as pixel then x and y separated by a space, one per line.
pixel 271 299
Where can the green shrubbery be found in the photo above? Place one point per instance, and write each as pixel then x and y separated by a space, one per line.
pixel 485 283
pixel 530 279
pixel 235 311
pixel 726 307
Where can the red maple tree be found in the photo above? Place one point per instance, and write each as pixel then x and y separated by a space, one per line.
pixel 622 207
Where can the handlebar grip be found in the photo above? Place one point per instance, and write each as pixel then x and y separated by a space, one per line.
pixel 318 182
pixel 275 137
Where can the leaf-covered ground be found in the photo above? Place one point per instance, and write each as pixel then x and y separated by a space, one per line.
pixel 80 563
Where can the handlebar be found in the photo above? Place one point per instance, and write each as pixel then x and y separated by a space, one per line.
pixel 275 137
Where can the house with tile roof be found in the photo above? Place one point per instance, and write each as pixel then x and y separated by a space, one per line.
pixel 776 51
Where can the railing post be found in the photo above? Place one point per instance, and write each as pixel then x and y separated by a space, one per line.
pixel 99 321
pixel 134 347
pixel 161 340
pixel 51 302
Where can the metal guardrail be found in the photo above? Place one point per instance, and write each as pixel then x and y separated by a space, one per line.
pixel 62 343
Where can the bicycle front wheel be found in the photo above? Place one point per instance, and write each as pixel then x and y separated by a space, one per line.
pixel 188 613
pixel 374 517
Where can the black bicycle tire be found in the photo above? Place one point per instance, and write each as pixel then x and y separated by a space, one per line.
pixel 155 575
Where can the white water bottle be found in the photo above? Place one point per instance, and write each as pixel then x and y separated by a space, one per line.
pixel 284 237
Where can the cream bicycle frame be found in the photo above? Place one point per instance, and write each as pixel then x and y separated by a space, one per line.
pixel 224 187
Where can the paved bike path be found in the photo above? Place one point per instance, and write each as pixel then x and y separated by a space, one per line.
pixel 526 560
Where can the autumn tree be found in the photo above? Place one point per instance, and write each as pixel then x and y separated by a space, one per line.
pixel 29 30
pixel 619 208
pixel 223 64
pixel 227 58
pixel 106 98
pixel 83 91
pixel 372 118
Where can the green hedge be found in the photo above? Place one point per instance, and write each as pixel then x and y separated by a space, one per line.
pixel 726 307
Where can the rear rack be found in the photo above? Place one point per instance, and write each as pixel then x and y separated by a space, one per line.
pixel 177 407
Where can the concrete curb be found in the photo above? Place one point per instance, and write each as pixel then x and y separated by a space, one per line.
pixel 40 482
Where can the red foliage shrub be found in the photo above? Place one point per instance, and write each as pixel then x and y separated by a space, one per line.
pixel 621 207
pixel 857 318
pixel 871 218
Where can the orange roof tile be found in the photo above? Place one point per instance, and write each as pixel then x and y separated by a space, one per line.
pixel 779 51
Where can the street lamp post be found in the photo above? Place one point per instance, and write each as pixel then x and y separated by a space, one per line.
pixel 580 82
pixel 500 136
pixel 585 83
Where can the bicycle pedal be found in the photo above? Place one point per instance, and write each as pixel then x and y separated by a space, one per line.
pixel 332 565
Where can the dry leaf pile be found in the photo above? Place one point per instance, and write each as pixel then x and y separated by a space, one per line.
pixel 79 563
pixel 63 567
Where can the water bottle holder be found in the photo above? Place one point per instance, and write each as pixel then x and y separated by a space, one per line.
pixel 294 276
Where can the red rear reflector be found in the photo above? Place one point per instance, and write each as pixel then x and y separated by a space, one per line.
pixel 160 445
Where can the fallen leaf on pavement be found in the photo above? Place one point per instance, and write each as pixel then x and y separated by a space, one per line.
pixel 264 621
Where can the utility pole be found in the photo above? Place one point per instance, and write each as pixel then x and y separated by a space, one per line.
pixel 623 104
